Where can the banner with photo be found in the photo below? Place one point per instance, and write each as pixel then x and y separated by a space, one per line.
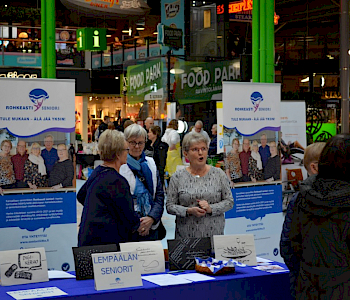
pixel 37 185
pixel 253 163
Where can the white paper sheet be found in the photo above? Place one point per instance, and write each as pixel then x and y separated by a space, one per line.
pixel 271 268
pixel 263 261
pixel 56 274
pixel 165 279
pixel 195 277
pixel 37 293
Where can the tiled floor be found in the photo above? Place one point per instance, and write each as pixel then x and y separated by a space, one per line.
pixel 168 220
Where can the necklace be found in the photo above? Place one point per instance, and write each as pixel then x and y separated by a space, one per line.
pixel 198 174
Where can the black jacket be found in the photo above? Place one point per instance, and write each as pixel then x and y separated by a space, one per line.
pixel 159 152
pixel 320 237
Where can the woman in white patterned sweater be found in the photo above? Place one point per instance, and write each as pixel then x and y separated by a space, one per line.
pixel 200 194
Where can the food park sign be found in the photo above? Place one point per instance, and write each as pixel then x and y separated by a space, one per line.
pixel 110 8
pixel 197 82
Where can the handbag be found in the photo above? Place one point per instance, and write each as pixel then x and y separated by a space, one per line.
pixel 161 231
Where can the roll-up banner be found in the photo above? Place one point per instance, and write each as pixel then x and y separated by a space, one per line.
pixel 38 201
pixel 251 121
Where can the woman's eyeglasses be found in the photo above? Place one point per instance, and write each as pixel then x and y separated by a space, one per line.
pixel 134 144
pixel 203 149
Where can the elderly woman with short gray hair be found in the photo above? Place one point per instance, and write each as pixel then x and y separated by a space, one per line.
pixel 145 185
pixel 108 216
pixel 200 194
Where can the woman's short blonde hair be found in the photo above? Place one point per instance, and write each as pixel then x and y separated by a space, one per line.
pixel 312 154
pixel 6 141
pixel 254 144
pixel 272 144
pixel 174 124
pixel 191 139
pixel 35 145
pixel 111 144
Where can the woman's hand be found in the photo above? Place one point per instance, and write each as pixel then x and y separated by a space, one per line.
pixel 56 187
pixel 196 211
pixel 32 186
pixel 145 225
pixel 232 184
pixel 205 205
pixel 253 179
pixel 1 192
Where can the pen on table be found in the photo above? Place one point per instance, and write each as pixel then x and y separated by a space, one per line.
pixel 178 271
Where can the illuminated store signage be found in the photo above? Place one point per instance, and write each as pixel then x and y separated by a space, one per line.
pixel 92 39
pixel 15 75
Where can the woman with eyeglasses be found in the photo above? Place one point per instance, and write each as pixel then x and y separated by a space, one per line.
pixel 200 194
pixel 7 174
pixel 145 186
pixel 108 215
pixel 34 168
pixel 233 164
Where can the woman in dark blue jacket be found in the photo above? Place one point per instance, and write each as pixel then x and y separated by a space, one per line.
pixel 108 215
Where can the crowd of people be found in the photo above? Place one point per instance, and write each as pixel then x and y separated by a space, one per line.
pixel 49 167
pixel 254 163
pixel 124 197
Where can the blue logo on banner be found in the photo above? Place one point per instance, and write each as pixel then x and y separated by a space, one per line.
pixel 34 211
pixel 256 98
pixel 65 267
pixel 256 202
pixel 37 96
pixel 275 252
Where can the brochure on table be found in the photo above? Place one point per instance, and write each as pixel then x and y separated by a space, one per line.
pixel 23 266
pixel 33 108
pixel 150 255
pixel 251 111
pixel 116 270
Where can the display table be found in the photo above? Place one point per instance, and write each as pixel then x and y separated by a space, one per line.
pixel 246 283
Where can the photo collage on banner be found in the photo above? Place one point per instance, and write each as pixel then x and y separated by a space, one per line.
pixel 251 119
pixel 37 177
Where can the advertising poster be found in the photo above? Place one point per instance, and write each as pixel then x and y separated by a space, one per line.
pixel 253 163
pixel 293 142
pixel 37 185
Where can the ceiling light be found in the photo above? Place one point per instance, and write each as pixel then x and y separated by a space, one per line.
pixel 176 71
pixel 305 79
pixel 108 35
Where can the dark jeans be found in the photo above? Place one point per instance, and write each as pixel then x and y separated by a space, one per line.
pixel 20 185
pixel 246 178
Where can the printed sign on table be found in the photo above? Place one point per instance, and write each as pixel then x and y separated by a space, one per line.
pixel 23 266
pixel 150 255
pixel 116 270
pixel 83 261
pixel 240 247
pixel 182 252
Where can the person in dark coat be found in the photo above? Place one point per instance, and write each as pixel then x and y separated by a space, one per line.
pixel 311 158
pixel 157 149
pixel 272 170
pixel 320 233
pixel 108 215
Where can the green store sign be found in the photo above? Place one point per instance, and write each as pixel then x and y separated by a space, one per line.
pixel 198 82
pixel 145 81
pixel 91 39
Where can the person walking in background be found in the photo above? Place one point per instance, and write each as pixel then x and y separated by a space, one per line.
pixel 145 186
pixel 311 158
pixel 255 171
pixel 272 170
pixel 198 127
pixel 108 215
pixel 264 150
pixel 35 174
pixel 103 126
pixel 62 174
pixel 49 154
pixel 320 227
pixel 199 194
pixel 172 138
pixel 18 161
pixel 149 122
pixel 157 149
pixel 214 140
pixel 233 164
pixel 7 174
pixel 244 158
